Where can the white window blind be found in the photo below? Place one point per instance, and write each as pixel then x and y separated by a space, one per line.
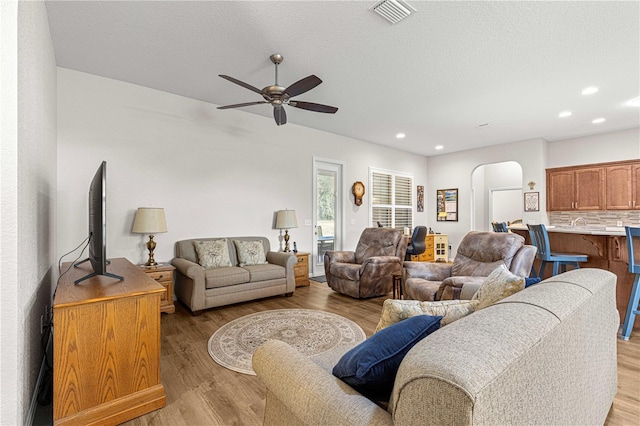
pixel 391 199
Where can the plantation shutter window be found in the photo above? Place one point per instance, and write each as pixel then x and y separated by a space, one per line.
pixel 391 199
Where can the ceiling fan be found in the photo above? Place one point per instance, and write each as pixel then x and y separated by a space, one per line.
pixel 279 96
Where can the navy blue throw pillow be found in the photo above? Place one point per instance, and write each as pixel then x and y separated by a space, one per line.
pixel 371 367
pixel 531 281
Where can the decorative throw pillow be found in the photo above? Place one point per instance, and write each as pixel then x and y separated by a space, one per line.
pixel 394 311
pixel 213 254
pixel 531 281
pixel 499 284
pixel 250 253
pixel 371 367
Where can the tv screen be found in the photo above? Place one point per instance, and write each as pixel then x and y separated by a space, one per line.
pixel 98 225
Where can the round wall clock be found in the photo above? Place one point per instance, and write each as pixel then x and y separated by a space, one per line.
pixel 358 192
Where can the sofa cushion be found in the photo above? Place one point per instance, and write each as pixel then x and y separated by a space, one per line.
pixel 479 253
pixel 223 277
pixel 394 311
pixel 346 271
pixel 499 284
pixel 265 272
pixel 371 367
pixel 213 253
pixel 250 252
pixel 378 242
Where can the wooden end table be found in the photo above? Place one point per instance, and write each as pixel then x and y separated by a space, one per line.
pixel 397 285
pixel 163 274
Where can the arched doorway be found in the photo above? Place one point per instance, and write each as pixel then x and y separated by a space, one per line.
pixel 497 194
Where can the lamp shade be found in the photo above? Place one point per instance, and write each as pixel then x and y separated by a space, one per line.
pixel 286 219
pixel 149 220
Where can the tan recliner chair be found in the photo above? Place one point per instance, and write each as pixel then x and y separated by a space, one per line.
pixel 367 271
pixel 478 255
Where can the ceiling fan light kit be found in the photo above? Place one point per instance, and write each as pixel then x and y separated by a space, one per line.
pixel 279 96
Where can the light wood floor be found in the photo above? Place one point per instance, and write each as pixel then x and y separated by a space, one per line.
pixel 200 392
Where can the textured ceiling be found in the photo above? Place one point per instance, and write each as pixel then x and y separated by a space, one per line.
pixel 435 76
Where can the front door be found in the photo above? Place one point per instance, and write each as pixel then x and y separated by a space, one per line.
pixel 327 211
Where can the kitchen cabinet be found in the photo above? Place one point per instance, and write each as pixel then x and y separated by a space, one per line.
pixel 576 188
pixel 623 186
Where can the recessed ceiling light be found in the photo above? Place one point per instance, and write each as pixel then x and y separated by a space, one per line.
pixel 400 135
pixel 634 102
pixel 589 90
pixel 598 120
pixel 564 114
pixel 439 147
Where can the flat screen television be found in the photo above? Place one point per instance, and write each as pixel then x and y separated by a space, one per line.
pixel 98 226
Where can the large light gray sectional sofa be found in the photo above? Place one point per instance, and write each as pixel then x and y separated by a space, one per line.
pixel 201 288
pixel 543 356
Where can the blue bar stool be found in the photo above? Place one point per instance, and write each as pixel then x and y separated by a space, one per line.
pixel 634 298
pixel 540 239
pixel 499 227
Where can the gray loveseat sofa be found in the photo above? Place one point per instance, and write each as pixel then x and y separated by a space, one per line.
pixel 201 288
pixel 543 356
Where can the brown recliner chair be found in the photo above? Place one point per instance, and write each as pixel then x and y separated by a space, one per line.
pixel 366 272
pixel 478 255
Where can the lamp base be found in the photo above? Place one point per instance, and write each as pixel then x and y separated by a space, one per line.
pixel 151 245
pixel 286 241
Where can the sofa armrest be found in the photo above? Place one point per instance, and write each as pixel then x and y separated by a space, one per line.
pixel 340 256
pixel 459 287
pixel 189 283
pixel 427 270
pixel 288 262
pixel 307 394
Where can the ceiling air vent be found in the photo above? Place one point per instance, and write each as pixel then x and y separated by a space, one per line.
pixel 393 11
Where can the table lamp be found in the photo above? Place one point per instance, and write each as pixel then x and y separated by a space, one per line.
pixel 286 219
pixel 150 220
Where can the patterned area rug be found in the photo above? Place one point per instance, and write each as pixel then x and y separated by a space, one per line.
pixel 309 331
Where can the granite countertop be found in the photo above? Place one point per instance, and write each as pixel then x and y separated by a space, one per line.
pixel 587 230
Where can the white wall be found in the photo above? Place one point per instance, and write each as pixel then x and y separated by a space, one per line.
pixel 456 170
pixel 535 155
pixel 601 148
pixel 216 172
pixel 28 199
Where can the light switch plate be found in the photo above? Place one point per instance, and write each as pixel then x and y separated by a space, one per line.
pixel 307 222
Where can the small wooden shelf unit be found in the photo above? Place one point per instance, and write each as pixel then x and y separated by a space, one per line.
pixel 437 249
pixel 106 346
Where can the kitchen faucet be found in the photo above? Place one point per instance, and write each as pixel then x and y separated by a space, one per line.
pixel 574 222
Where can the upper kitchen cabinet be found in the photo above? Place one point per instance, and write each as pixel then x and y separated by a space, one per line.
pixel 576 188
pixel 623 186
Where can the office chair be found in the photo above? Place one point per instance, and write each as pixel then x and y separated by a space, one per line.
pixel 417 245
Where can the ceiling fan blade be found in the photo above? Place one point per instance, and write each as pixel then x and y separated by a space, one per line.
pixel 313 107
pixel 241 83
pixel 302 86
pixel 242 105
pixel 279 115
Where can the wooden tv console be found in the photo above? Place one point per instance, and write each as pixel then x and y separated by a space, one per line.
pixel 106 346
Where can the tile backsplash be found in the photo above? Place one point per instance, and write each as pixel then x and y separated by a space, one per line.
pixel 600 217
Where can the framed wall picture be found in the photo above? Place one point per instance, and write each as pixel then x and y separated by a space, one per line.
pixel 420 198
pixel 447 204
pixel 531 201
